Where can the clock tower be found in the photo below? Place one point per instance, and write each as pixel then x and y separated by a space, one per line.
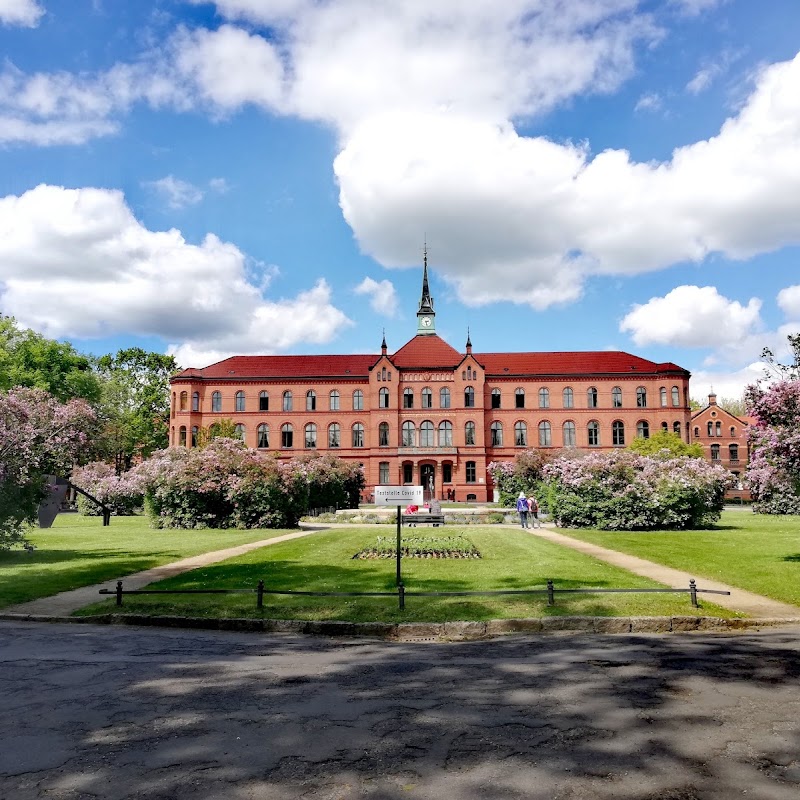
pixel 426 316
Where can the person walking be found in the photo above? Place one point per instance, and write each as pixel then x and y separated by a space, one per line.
pixel 522 508
pixel 533 508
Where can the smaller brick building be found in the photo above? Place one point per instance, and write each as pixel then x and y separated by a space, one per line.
pixel 724 440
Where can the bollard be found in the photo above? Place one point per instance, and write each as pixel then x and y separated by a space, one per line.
pixel 260 595
pixel 693 592
pixel 551 597
pixel 119 593
pixel 401 592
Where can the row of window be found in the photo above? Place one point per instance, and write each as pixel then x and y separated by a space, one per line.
pixel 733 452
pixel 714 429
pixel 470 473
pixel 426 399
pixel 427 435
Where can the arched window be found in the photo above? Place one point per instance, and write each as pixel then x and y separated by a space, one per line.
pixel 445 434
pixel 641 397
pixel 383 397
pixel 664 427
pixel 733 431
pixel 568 398
pixel 520 434
pixel 358 400
pixel 593 433
pixel 469 433
pixel 238 431
pixel 676 427
pixel 333 402
pixel 358 435
pixel 334 435
pixel 184 401
pixel 718 426
pixel 733 452
pixel 662 393
pixel 311 435
pixel 172 405
pixel 426 434
pixel 287 401
pixel 240 401
pixel 568 431
pixel 383 434
pixel 676 396
pixel 409 434
pixel 519 398
pixel 545 434
pixel 195 431
pixel 616 397
pixel 496 431
pixel 263 401
pixel 263 435
pixel 195 401
pixel 311 400
pixel 216 401
pixel 182 436
pixel 544 398
pixel 408 397
pixel 643 429
pixel 618 433
pixel 715 452
pixel 696 431
pixel 591 397
pixel 710 428
pixel 469 397
pixel 444 397
pixel 287 435
pixel 495 398
pixel 427 398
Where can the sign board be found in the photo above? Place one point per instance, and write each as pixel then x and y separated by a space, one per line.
pixel 398 495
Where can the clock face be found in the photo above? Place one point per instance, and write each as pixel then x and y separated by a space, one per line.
pixel 426 322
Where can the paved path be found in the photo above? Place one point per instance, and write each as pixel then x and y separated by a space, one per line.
pixel 65 603
pixel 103 713
pixel 753 605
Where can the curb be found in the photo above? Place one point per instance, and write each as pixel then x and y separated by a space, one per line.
pixel 428 631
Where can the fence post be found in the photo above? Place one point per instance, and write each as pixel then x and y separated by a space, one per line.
pixel 260 595
pixel 401 592
pixel 693 592
pixel 551 598
pixel 119 593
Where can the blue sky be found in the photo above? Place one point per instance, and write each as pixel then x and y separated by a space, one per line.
pixel 259 176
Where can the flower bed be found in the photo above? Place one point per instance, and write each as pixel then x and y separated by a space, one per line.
pixel 421 547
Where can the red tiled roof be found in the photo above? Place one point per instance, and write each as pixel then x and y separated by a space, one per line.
pixel 238 367
pixel 429 351
pixel 571 363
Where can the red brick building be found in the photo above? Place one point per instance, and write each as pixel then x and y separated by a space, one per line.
pixel 724 440
pixel 429 414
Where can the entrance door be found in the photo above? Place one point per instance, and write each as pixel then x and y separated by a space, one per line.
pixel 427 476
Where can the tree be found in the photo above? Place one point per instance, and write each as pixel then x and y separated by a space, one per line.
pixel 784 371
pixel 221 429
pixel 665 444
pixel 29 359
pixel 134 407
pixel 38 437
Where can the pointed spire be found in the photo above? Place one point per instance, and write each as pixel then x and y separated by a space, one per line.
pixel 426 301
pixel 469 342
pixel 383 343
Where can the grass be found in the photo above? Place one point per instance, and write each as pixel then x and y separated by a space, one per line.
pixel 79 551
pixel 324 562
pixel 757 552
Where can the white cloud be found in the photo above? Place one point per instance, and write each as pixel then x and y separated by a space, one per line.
pixel 382 296
pixel 725 384
pixel 219 185
pixel 789 301
pixel 20 12
pixel 177 193
pixel 692 316
pixel 649 102
pixel 76 263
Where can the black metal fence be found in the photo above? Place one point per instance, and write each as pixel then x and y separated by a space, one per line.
pixel 402 593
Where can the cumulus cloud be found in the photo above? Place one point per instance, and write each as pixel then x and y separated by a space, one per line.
pixel 176 192
pixel 789 301
pixel 725 384
pixel 692 316
pixel 76 263
pixel 381 294
pixel 20 12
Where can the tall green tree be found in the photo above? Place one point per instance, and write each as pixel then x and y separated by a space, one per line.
pixel 134 407
pixel 667 445
pixel 33 361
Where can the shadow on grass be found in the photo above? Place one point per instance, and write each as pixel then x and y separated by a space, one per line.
pixel 795 557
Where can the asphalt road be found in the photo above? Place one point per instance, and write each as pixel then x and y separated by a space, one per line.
pixel 104 712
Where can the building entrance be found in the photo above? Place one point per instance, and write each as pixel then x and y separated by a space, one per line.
pixel 427 477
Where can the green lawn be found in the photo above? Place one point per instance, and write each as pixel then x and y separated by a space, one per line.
pixel 323 562
pixel 757 552
pixel 79 551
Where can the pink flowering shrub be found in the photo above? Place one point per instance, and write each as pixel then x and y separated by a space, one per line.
pixel 121 493
pixel 228 485
pixel 625 491
pixel 773 472
pixel 523 474
pixel 39 436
